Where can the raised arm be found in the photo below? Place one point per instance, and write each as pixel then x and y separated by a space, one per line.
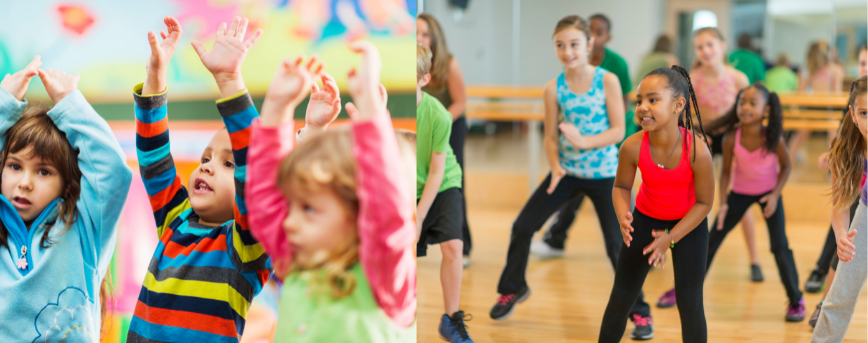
pixel 271 140
pixel 385 221
pixel 168 197
pixel 105 177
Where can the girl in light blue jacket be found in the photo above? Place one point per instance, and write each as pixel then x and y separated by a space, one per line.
pixel 64 181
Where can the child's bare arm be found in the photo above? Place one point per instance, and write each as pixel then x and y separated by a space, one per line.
pixel 161 54
pixel 225 58
pixel 384 219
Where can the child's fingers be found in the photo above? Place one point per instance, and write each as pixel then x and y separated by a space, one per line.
pixel 35 63
pixel 384 94
pixel 253 38
pixel 310 63
pixel 329 84
pixel 152 40
pixel 163 34
pixel 352 111
pixel 173 25
pixel 314 88
pixel 233 27
pixel 221 30
pixel 200 49
pixel 242 28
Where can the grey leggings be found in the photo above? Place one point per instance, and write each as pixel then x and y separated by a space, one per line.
pixel 844 293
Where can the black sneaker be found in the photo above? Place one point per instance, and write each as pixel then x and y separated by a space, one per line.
pixel 506 304
pixel 815 282
pixel 756 274
pixel 816 315
pixel 644 329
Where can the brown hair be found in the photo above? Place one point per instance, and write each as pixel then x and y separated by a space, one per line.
pixel 573 22
pixel 663 44
pixel 105 296
pixel 441 58
pixel 37 131
pixel 326 160
pixel 716 33
pixel 818 56
pixel 423 62
pixel 783 60
pixel 847 155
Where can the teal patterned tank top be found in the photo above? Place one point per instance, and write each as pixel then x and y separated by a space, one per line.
pixel 587 112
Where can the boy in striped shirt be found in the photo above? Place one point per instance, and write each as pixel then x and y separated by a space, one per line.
pixel 207 267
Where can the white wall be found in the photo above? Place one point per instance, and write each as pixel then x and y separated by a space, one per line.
pixel 482 39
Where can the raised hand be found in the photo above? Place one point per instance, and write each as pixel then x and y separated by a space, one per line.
pixel 225 58
pixel 16 84
pixel 324 104
pixel 352 111
pixel 161 54
pixel 364 82
pixel 287 89
pixel 57 83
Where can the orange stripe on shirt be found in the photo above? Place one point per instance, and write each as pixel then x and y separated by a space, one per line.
pixel 187 320
pixel 240 139
pixel 165 196
pixel 205 245
pixel 152 129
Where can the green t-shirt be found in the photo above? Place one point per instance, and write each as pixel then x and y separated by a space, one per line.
pixel 749 63
pixel 308 315
pixel 782 80
pixel 615 64
pixel 433 128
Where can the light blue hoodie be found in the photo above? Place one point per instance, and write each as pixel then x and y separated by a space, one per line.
pixel 56 297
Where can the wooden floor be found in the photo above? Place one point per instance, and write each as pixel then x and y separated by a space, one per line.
pixel 569 295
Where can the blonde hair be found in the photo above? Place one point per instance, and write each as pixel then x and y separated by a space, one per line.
pixel 423 62
pixel 440 55
pixel 718 35
pixel 326 160
pixel 847 155
pixel 406 137
pixel 574 22
pixel 818 56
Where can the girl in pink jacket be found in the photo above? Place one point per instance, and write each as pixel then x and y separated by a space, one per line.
pixel 333 214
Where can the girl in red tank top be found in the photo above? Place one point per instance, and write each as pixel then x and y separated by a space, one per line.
pixel 674 199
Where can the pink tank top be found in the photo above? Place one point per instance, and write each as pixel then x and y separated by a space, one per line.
pixel 756 172
pixel 718 97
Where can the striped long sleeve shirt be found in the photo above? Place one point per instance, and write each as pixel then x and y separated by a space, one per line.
pixel 201 280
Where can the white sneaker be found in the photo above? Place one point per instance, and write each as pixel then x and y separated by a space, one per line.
pixel 465 260
pixel 545 251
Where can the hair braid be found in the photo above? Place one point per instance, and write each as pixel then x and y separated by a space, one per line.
pixel 692 98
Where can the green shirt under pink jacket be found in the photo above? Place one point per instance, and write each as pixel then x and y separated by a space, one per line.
pixel 387 267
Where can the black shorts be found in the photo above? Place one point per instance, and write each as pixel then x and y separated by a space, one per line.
pixel 444 220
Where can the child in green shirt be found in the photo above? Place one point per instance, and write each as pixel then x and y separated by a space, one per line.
pixel 440 201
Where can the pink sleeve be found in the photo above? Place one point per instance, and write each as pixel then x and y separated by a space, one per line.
pixel 385 221
pixel 265 204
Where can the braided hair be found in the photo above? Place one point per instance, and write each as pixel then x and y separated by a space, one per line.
pixel 773 130
pixel 679 83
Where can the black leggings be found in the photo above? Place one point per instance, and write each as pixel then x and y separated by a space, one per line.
pixel 688 259
pixel 456 141
pixel 829 256
pixel 540 207
pixel 738 205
